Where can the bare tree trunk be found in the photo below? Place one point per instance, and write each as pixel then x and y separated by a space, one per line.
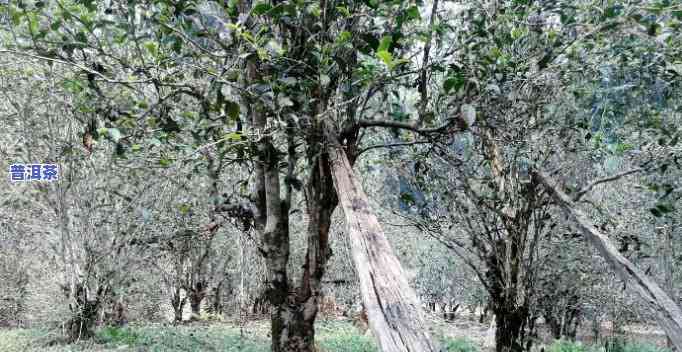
pixel 668 314
pixel 393 309
pixel 178 305
pixel 196 296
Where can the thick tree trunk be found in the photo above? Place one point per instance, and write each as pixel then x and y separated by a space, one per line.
pixel 294 332
pixel 510 328
pixel 668 314
pixel 393 309
pixel 85 311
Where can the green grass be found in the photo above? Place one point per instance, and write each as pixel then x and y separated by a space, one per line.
pixel 198 338
pixel 338 336
pixel 181 338
pixel 569 346
pixel 331 336
pixel 459 345
pixel 613 345
pixel 622 345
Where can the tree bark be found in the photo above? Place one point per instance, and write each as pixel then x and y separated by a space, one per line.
pixel 668 314
pixel 393 309
pixel 669 266
pixel 84 310
pixel 178 305
pixel 510 323
pixel 196 296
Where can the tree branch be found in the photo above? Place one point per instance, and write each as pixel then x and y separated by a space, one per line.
pixel 591 185
pixel 408 126
pixel 391 145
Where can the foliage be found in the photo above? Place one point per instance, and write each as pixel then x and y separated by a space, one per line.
pixel 467 98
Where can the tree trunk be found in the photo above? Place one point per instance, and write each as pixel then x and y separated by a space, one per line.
pixel 85 310
pixel 195 299
pixel 393 309
pixel 510 325
pixel 178 305
pixel 293 332
pixel 217 304
pixel 668 314
pixel 669 266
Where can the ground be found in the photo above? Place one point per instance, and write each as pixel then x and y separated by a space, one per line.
pixel 337 335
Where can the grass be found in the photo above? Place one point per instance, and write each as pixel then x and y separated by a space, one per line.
pixel 613 345
pixel 339 336
pixel 331 336
pixel 190 338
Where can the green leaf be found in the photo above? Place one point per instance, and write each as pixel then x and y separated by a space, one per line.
pixel 386 57
pixel 74 86
pixel 152 47
pixel 344 37
pixel 314 9
pixel 261 8
pixel 343 11
pixel 412 13
pixel 612 11
pixel 453 83
pixel 232 110
pixel 324 80
pixel 665 208
pixel 655 212
pixel 385 43
pixel 517 33
pixel 55 25
pixel 184 208
pixel 234 136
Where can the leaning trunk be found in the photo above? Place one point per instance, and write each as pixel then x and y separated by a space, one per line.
pixel 668 314
pixel 393 309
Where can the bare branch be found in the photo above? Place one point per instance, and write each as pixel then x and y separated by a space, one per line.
pixel 391 145
pixel 591 185
pixel 409 126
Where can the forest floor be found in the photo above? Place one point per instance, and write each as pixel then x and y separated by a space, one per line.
pixel 336 334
